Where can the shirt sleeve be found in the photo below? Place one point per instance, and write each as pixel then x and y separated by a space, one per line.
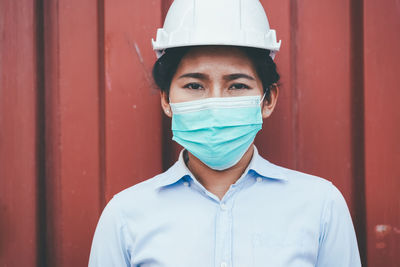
pixel 110 246
pixel 338 243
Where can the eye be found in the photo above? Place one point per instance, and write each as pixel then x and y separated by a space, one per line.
pixel 193 86
pixel 239 86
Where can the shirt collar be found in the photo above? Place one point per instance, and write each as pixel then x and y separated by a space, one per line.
pixel 258 164
pixel 266 169
pixel 176 172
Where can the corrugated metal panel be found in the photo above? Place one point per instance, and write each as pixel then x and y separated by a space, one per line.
pixel 276 141
pixel 382 130
pixel 72 129
pixel 132 104
pixel 98 107
pixel 315 128
pixel 18 134
pixel 102 128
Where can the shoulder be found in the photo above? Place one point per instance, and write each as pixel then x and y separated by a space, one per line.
pixel 314 195
pixel 313 184
pixel 305 186
pixel 137 194
pixel 140 198
pixel 296 179
pixel 288 177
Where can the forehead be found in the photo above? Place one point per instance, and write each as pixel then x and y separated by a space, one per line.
pixel 216 58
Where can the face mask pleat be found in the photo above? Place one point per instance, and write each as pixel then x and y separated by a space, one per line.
pixel 215 102
pixel 218 135
pixel 217 117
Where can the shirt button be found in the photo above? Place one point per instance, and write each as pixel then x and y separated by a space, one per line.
pixel 224 264
pixel 185 183
pixel 259 179
pixel 223 206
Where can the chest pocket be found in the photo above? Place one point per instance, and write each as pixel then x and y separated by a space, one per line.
pixel 283 250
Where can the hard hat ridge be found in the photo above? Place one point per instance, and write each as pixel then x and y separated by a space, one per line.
pixel 216 22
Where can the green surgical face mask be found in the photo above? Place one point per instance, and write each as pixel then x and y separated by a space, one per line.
pixel 217 131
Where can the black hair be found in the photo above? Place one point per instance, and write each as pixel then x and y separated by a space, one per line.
pixel 165 67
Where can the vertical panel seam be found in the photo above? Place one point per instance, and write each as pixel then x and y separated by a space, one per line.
pixel 51 75
pixel 293 71
pixel 102 103
pixel 166 145
pixel 357 122
pixel 56 145
pixel 40 139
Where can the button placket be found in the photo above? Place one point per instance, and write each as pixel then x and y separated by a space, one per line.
pixel 223 207
pixel 223 232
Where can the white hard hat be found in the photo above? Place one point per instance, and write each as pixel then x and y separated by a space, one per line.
pixel 216 22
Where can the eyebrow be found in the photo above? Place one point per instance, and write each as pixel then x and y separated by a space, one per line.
pixel 235 76
pixel 195 75
pixel 229 77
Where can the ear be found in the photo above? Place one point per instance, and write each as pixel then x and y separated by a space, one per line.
pixel 269 106
pixel 165 104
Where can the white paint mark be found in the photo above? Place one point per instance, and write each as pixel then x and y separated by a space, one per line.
pixel 396 230
pixel 108 81
pixel 138 52
pixel 147 76
pixel 381 228
pixel 133 106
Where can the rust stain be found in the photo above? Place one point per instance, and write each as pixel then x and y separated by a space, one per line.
pixel 380 245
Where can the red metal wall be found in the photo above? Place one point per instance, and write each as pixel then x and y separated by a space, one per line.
pixel 382 130
pixel 18 134
pixel 80 118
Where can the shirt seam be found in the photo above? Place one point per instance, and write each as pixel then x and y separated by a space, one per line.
pixel 126 236
pixel 323 218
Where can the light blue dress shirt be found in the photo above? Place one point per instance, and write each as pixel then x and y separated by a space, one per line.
pixel 271 216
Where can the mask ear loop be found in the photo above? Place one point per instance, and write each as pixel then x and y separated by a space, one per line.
pixel 170 109
pixel 262 98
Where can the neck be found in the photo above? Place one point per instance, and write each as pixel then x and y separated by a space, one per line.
pixel 218 182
